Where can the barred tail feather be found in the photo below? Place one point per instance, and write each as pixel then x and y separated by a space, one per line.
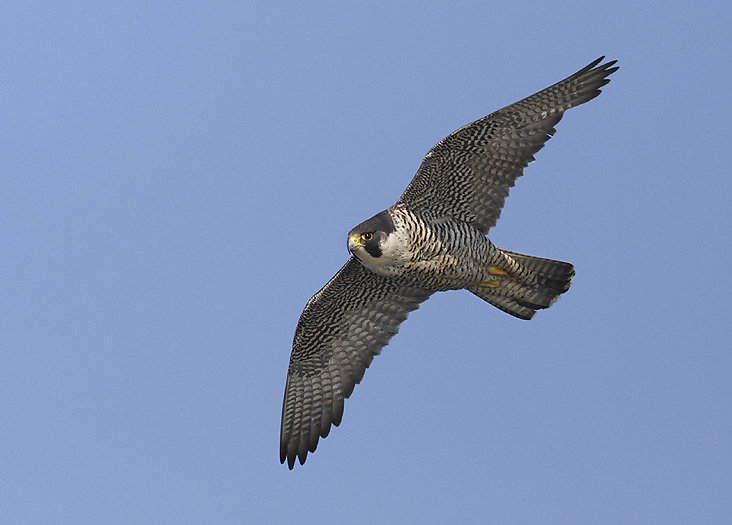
pixel 556 275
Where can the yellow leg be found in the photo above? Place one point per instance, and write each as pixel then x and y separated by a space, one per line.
pixel 495 270
pixel 494 283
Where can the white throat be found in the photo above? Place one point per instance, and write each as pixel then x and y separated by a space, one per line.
pixel 395 255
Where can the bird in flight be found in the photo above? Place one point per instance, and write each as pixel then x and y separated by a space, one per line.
pixel 433 239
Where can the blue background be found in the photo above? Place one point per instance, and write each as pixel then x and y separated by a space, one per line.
pixel 177 179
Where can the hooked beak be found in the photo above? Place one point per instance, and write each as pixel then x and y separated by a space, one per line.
pixel 354 243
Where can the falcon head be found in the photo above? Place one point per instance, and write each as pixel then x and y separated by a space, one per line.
pixel 377 245
pixel 370 236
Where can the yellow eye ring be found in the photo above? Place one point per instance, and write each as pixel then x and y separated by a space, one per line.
pixel 367 236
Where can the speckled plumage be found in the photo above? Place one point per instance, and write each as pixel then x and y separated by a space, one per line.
pixel 432 239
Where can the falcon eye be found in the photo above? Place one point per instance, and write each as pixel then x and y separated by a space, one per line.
pixel 367 236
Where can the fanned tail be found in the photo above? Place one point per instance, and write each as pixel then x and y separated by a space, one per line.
pixel 537 285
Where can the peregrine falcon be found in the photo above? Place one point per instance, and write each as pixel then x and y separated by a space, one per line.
pixel 433 239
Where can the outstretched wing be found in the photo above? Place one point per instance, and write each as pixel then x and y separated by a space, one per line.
pixel 468 174
pixel 340 331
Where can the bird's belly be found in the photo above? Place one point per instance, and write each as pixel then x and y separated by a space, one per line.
pixel 441 254
pixel 444 272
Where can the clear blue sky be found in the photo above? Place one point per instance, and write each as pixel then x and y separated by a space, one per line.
pixel 177 180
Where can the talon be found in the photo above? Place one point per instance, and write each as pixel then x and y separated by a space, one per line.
pixel 490 284
pixel 495 270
